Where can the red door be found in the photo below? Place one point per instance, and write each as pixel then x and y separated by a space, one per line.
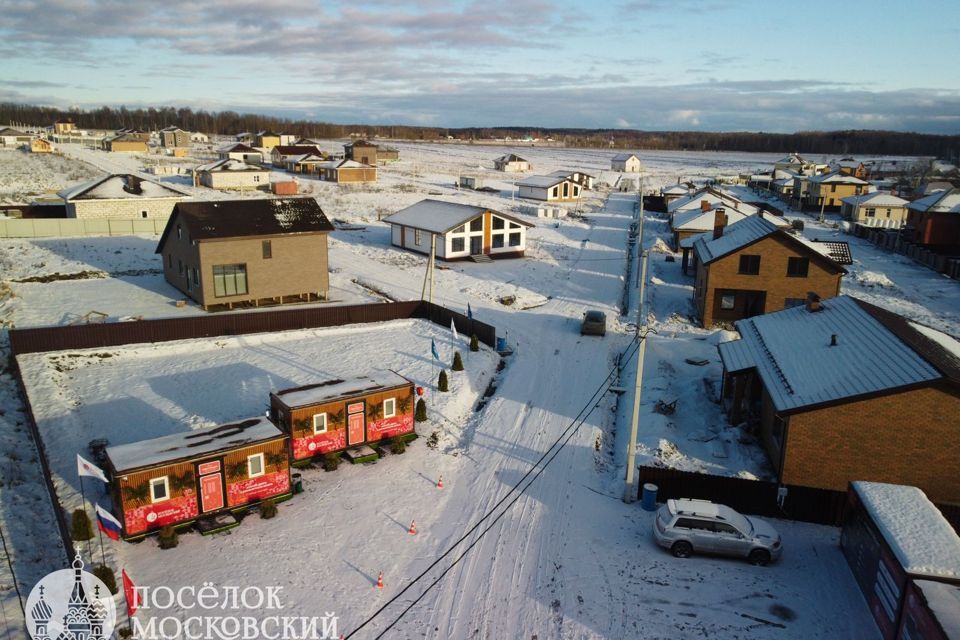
pixel 355 424
pixel 211 492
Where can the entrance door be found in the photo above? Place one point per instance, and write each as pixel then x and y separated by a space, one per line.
pixel 355 424
pixel 211 492
pixel 476 245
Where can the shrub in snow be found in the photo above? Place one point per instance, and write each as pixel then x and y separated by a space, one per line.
pixel 457 362
pixel 80 526
pixel 268 509
pixel 420 414
pixel 168 539
pixel 106 576
pixel 474 343
pixel 442 384
pixel 433 440
pixel 398 445
pixel 331 461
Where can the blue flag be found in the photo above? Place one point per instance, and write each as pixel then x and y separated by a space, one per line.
pixel 469 311
pixel 433 349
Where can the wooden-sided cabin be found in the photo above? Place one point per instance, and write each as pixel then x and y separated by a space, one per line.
pixel 338 414
pixel 179 478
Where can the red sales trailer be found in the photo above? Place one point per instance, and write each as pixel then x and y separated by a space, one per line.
pixel 905 557
pixel 180 478
pixel 336 415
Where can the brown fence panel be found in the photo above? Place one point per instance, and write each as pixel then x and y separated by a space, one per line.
pixel 465 326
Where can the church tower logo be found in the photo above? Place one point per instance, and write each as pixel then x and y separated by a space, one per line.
pixel 71 604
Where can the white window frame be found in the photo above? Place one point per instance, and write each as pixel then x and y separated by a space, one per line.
pixel 166 489
pixel 417 237
pixel 263 468
pixel 323 419
pixel 393 407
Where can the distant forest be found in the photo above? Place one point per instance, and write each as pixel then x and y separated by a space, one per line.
pixel 863 142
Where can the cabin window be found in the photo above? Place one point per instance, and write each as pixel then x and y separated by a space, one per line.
pixel 319 423
pixel 576 191
pixel 229 280
pixel 728 301
pixel 872 213
pixel 498 222
pixel 267 247
pixel 255 465
pixel 159 489
pixel 798 267
pixel 457 244
pixel 143 214
pixel 389 407
pixel 460 229
pixel 888 213
pixel 555 192
pixel 476 224
pixel 256 178
pixel 749 265
pixel 514 239
pixel 417 237
pixel 497 240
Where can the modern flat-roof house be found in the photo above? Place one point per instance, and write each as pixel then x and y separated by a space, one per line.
pixel 171 137
pixel 756 267
pixel 512 163
pixel 626 162
pixel 934 220
pixel 251 252
pixel 241 152
pixel 549 188
pixel 121 196
pixel 842 390
pixel 876 209
pixel 361 151
pixel 347 172
pixel 459 231
pixel 231 175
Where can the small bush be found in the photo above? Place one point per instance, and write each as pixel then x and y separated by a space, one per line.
pixel 168 537
pixel 434 440
pixel 420 414
pixel 80 526
pixel 331 461
pixel 457 362
pixel 398 445
pixel 106 576
pixel 268 509
pixel 474 343
pixel 442 383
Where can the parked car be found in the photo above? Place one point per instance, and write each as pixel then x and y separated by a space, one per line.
pixel 700 526
pixel 594 323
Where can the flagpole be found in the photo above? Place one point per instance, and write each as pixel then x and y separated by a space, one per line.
pixel 83 501
pixel 103 556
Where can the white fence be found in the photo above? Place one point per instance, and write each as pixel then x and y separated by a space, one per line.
pixel 66 227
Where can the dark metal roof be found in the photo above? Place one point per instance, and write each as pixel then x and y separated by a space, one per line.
pixel 838 250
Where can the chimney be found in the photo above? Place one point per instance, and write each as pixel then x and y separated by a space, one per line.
pixel 833 340
pixel 704 206
pixel 813 302
pixel 719 222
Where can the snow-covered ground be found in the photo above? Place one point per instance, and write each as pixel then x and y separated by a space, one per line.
pixel 569 559
pixel 26 176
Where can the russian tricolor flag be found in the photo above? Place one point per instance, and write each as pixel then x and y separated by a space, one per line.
pixel 108 524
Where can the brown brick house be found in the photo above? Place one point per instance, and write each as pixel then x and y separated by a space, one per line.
pixel 842 390
pixel 754 267
pixel 361 151
pixel 347 171
pixel 230 252
pixel 934 220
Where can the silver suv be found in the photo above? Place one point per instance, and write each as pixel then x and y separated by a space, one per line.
pixel 688 526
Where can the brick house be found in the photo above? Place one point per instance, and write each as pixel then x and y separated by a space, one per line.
pixel 842 390
pixel 121 196
pixel 360 151
pixel 827 191
pixel 231 174
pixel 755 267
pixel 171 137
pixel 347 171
pixel 934 220
pixel 251 252
pixel 125 143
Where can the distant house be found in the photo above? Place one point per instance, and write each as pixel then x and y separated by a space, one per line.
pixel 714 196
pixel 121 196
pixel 826 191
pixel 40 145
pixel 690 223
pixel 11 138
pixel 934 220
pixel 241 152
pixel 851 167
pixel 281 154
pixel 842 390
pixel 387 154
pixel 549 189
pixel 251 252
pixel 231 175
pixel 626 162
pixel 674 192
pixel 585 180
pixel 794 163
pixel 270 139
pixel 61 127
pixel 125 143
pixel 171 137
pixel 199 137
pixel 756 267
pixel 306 163
pixel 361 151
pixel 876 209
pixel 512 163
pixel 458 231
pixel 347 171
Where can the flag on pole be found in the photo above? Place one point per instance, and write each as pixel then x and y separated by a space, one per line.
pixel 87 468
pixel 469 311
pixel 130 593
pixel 453 329
pixel 433 349
pixel 108 524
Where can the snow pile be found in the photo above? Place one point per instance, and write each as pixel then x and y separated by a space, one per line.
pixel 872 279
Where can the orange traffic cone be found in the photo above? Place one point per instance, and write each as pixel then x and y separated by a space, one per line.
pixel 413 528
pixel 380 580
pixel 440 483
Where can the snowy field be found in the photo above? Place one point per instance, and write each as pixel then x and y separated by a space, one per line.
pixel 569 559
pixel 25 176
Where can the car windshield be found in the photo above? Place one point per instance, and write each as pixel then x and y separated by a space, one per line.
pixel 594 316
pixel 742 523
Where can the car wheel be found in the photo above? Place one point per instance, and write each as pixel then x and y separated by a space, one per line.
pixel 681 549
pixel 759 557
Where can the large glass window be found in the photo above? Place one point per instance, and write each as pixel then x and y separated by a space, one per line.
pixel 229 280
pixel 497 222
pixel 457 244
pixel 514 239
pixel 476 224
pixel 497 240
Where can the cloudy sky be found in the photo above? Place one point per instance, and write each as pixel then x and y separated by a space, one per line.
pixel 709 65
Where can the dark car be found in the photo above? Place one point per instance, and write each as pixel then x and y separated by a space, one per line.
pixel 594 323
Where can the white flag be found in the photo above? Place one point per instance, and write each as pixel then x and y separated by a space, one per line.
pixel 453 328
pixel 87 468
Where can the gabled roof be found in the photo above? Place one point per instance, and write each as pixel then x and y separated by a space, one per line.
pixel 172 128
pixel 543 181
pixel 510 157
pixel 229 164
pixel 877 199
pixel 438 216
pixel 675 189
pixel 793 158
pixel 119 187
pixel 219 219
pixel 7 131
pixel 126 137
pixel 564 173
pixel 876 351
pixel 938 202
pixel 623 157
pixel 835 177
pixel 699 220
pixel 349 164
pixel 307 157
pixel 238 147
pixel 295 150
pixel 715 197
pixel 359 143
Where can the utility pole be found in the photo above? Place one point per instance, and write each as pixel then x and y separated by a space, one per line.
pixel 428 276
pixel 630 482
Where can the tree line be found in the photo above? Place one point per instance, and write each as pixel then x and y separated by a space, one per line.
pixel 862 142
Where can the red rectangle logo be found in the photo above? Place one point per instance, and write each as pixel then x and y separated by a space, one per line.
pixel 208 467
pixel 356 407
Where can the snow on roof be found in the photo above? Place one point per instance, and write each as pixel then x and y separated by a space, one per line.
pixel 438 216
pixel 698 220
pixel 623 157
pixel 793 158
pixel 119 186
pixel 237 147
pixel 679 189
pixel 836 250
pixel 352 164
pixel 918 534
pixel 510 157
pixel 835 177
pixel 191 444
pixel 714 196
pixel 938 202
pixel 229 164
pixel 944 600
pixel 877 199
pixel 949 344
pixel 331 390
pixel 543 181
pixel 735 236
pixel 791 352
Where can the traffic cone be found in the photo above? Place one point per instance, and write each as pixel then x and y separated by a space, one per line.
pixel 413 528
pixel 440 483
pixel 380 580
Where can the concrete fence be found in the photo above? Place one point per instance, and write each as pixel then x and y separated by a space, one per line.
pixel 66 227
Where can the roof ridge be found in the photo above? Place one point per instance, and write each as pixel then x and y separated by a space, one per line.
pixel 773 361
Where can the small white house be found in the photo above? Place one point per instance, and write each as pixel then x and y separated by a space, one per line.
pixel 512 163
pixel 241 152
pixel 458 231
pixel 549 188
pixel 626 162
pixel 876 209
pixel 231 175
